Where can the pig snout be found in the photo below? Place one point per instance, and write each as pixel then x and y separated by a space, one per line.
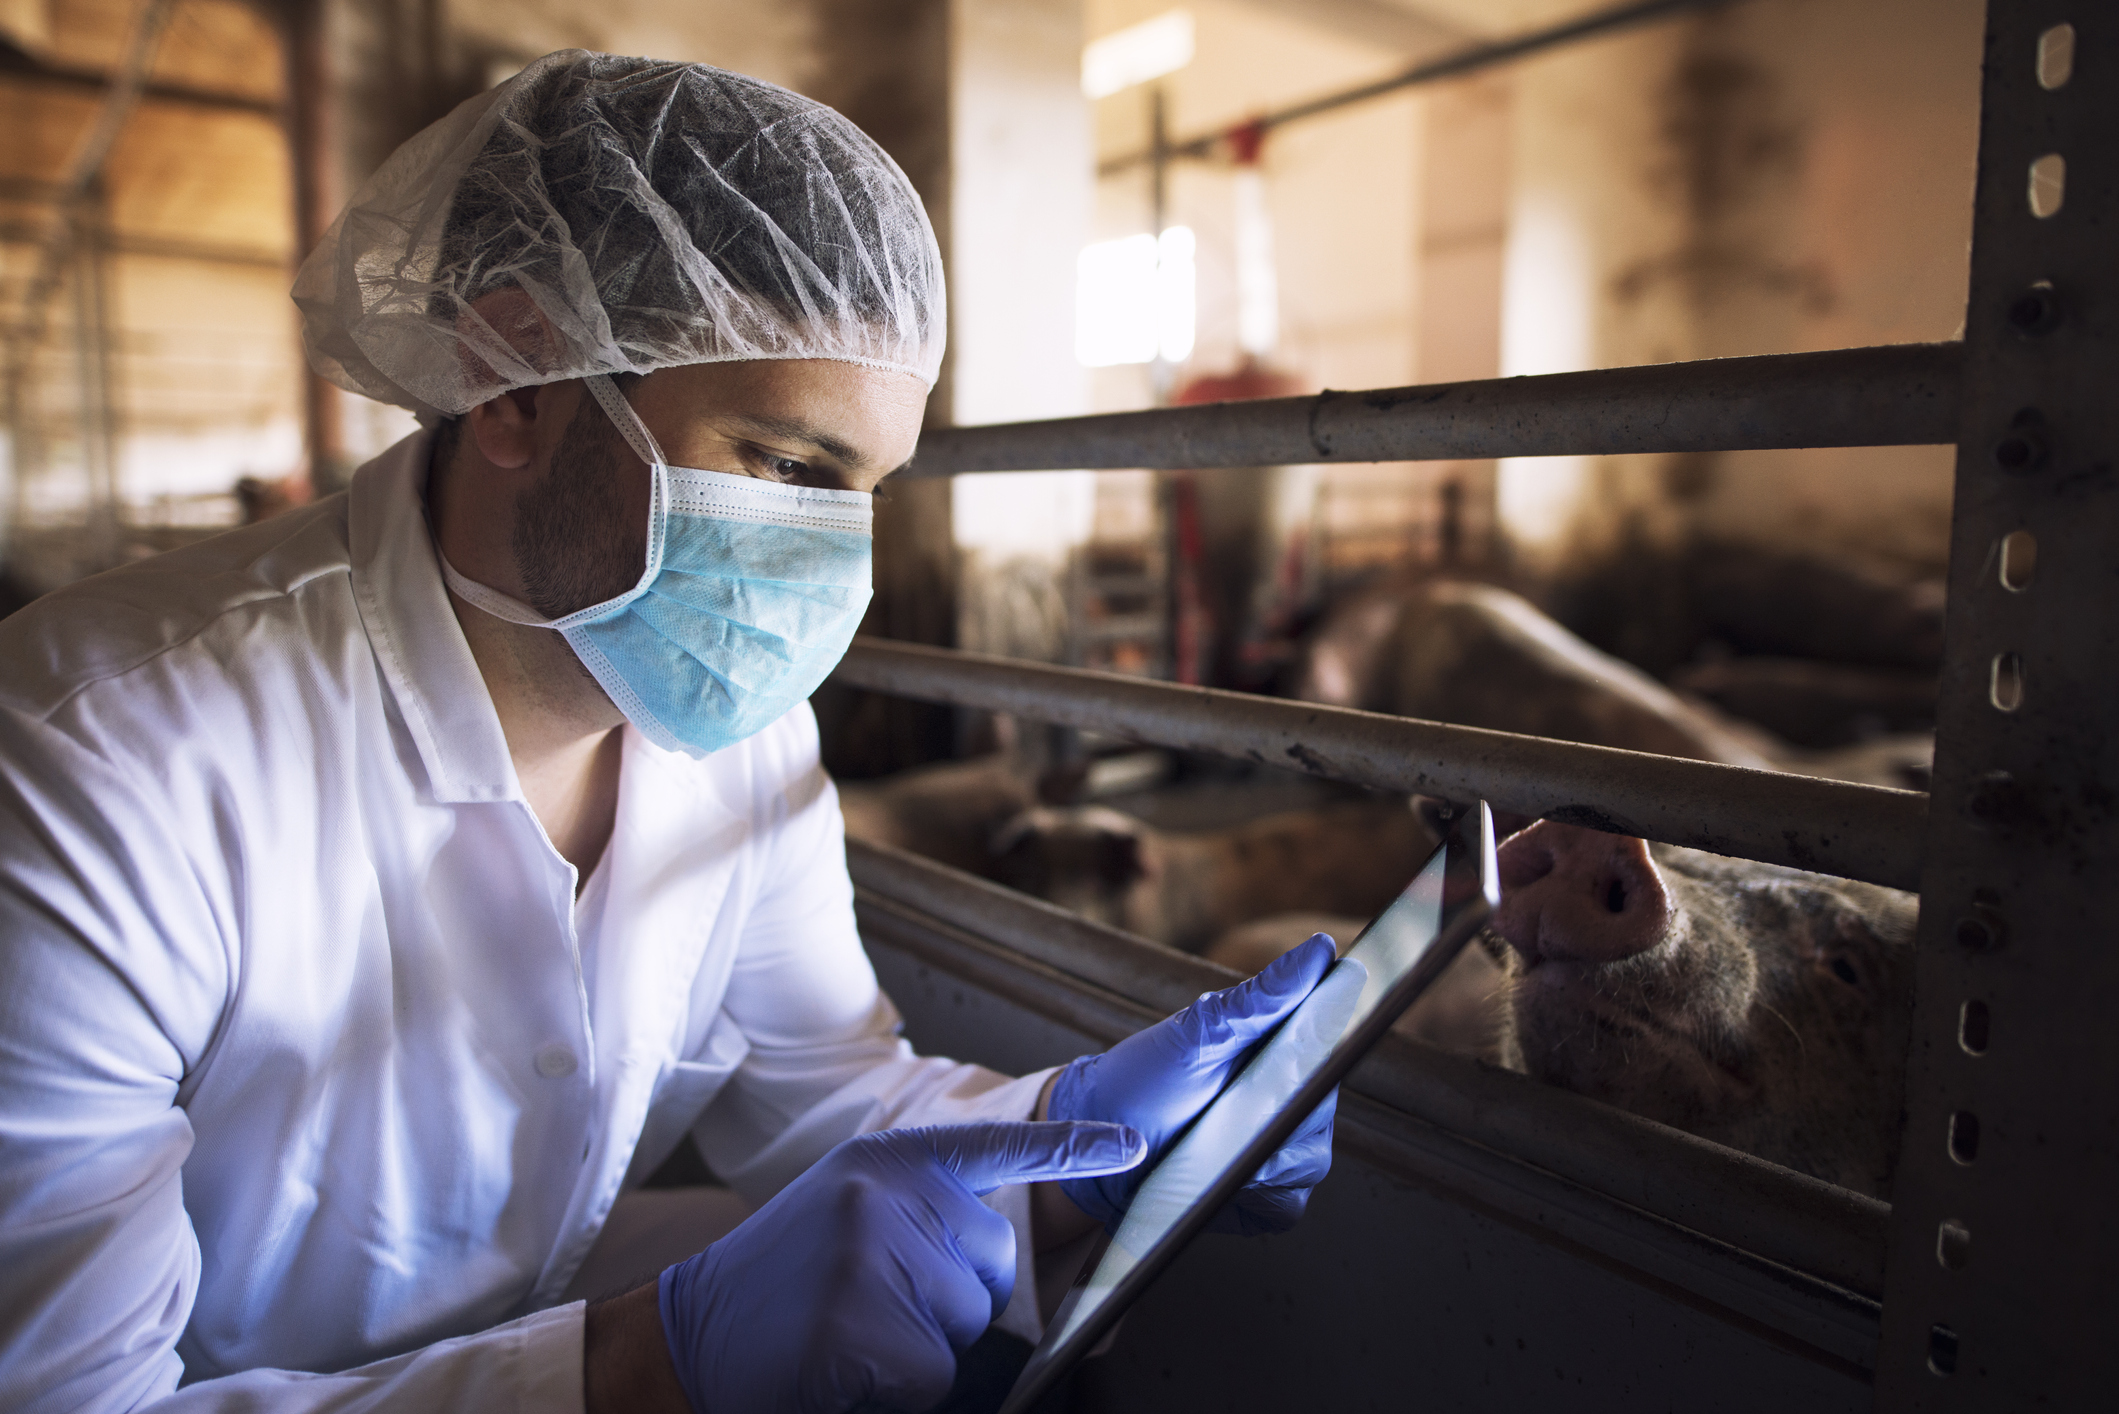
pixel 1576 895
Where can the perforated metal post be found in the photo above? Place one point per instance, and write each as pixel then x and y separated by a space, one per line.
pixel 2002 1289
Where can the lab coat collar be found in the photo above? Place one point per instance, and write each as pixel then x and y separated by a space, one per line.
pixel 418 643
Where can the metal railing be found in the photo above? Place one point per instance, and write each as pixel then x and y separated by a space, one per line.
pixel 1892 395
pixel 1109 983
pixel 1860 832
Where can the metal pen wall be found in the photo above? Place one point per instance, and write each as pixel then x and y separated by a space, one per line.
pixel 2001 1290
pixel 1998 1290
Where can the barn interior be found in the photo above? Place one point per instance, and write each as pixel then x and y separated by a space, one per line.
pixel 1639 1190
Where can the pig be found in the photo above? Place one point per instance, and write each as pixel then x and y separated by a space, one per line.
pixel 1903 762
pixel 1451 651
pixel 1760 1007
pixel 947 811
pixel 1828 607
pixel 1815 704
pixel 1658 608
pixel 1454 651
pixel 1186 889
pixel 1464 1010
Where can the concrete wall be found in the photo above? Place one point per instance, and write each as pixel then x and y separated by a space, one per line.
pixel 1352 210
pixel 1342 192
pixel 1779 176
pixel 1019 215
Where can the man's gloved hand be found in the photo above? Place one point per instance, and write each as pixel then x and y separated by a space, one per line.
pixel 1158 1079
pixel 861 1281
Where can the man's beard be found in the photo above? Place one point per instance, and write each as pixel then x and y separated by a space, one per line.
pixel 574 542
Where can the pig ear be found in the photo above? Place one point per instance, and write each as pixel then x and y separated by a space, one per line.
pixel 1062 784
pixel 1118 856
pixel 1010 836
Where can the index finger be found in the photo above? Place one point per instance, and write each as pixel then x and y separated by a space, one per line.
pixel 1000 1152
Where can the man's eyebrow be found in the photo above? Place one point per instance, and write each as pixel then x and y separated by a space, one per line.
pixel 795 429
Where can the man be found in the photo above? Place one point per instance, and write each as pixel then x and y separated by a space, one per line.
pixel 386 889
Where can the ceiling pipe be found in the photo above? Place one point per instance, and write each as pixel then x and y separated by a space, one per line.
pixel 1449 66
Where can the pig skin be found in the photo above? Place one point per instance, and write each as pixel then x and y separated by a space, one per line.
pixel 1453 651
pixel 1765 1008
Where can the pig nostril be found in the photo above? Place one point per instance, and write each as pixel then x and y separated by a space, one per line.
pixel 1615 896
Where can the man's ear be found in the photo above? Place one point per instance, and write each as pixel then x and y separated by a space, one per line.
pixel 505 428
pixel 506 335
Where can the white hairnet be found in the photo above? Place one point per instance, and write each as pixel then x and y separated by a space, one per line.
pixel 604 215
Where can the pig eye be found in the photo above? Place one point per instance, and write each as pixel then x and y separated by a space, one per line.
pixel 1844 971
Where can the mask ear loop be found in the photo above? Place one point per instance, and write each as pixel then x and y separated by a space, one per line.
pixel 628 423
pixel 622 417
pixel 643 443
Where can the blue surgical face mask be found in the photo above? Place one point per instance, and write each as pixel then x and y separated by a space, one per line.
pixel 751 593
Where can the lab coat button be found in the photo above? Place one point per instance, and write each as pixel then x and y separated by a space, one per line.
pixel 556 1062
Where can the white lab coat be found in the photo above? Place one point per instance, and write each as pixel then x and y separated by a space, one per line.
pixel 303 1065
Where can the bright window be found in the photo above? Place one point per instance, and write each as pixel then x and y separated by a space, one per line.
pixel 1135 299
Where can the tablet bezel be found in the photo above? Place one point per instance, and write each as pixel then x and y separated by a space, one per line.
pixel 1460 924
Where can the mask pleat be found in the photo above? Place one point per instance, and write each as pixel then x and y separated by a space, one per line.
pixel 743 621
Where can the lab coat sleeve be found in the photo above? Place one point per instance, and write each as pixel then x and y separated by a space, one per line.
pixel 113 973
pixel 826 1061
pixel 532 1366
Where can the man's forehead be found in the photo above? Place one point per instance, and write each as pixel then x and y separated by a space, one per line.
pixel 864 418
pixel 798 429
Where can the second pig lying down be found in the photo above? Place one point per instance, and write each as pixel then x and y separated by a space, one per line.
pixel 1760 1007
pixel 1185 890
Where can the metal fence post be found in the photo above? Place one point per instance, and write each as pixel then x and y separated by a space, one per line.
pixel 2002 1289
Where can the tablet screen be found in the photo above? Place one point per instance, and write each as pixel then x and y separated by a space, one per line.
pixel 1340 1019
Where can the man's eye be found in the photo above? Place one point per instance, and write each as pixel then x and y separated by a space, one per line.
pixel 778 468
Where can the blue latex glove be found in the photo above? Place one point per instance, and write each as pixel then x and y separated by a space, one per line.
pixel 1157 1079
pixel 861 1281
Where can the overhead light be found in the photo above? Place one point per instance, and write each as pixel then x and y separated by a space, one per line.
pixel 1137 53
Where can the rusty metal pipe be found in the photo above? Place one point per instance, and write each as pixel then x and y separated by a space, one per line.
pixel 1447 66
pixel 1858 832
pixel 1893 395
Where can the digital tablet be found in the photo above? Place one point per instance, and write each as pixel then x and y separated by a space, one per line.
pixel 1286 1077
